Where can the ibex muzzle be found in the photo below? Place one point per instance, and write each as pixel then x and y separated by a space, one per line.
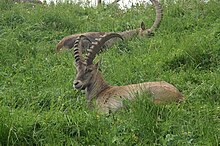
pixel 110 98
pixel 83 77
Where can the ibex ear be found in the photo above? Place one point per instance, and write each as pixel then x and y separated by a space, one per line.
pixel 142 25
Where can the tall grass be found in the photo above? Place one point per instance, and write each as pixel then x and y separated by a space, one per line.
pixel 38 105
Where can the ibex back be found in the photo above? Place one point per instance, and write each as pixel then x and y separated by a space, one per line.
pixel 110 98
pixel 68 41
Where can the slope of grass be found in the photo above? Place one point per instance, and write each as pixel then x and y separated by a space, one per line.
pixel 38 105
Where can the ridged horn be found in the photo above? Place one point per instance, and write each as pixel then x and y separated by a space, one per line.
pixel 97 46
pixel 159 14
pixel 76 51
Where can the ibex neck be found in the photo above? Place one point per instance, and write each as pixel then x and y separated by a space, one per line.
pixel 129 34
pixel 97 85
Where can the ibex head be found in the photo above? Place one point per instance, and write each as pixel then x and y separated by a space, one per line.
pixel 143 31
pixel 87 71
pixel 159 14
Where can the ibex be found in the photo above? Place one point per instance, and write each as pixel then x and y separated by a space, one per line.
pixel 68 41
pixel 110 98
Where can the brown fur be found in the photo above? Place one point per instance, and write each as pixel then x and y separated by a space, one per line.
pixel 68 41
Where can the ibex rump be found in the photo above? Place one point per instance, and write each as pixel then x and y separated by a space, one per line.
pixel 68 41
pixel 110 98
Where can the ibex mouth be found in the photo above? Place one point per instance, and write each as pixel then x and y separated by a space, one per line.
pixel 78 87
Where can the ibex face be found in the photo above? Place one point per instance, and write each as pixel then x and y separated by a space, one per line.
pixel 85 75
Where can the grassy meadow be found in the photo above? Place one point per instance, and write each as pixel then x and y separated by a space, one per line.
pixel 38 105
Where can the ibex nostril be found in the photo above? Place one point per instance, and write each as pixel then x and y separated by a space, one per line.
pixel 75 82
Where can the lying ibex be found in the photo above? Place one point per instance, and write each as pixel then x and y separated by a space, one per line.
pixel 68 41
pixel 110 98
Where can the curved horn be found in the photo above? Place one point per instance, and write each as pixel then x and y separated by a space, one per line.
pixel 76 51
pixel 97 46
pixel 159 14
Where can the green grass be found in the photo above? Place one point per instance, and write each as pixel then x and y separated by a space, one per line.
pixel 38 105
